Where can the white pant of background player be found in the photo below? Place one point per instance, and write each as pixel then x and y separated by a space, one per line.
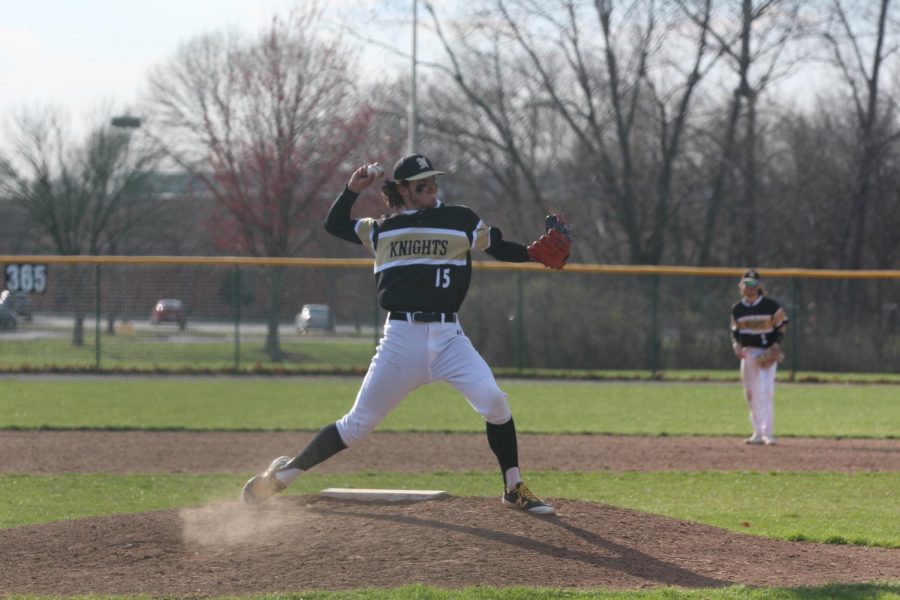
pixel 411 355
pixel 759 390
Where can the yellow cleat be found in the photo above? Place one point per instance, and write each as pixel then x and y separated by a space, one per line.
pixel 524 499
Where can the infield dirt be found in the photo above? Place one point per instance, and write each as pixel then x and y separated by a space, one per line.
pixel 303 542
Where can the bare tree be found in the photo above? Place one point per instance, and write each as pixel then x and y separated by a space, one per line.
pixel 625 103
pixel 13 221
pixel 267 125
pixel 860 63
pixel 487 116
pixel 811 174
pixel 86 196
pixel 755 42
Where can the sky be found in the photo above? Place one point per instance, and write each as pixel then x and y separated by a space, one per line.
pixel 91 56
pixel 87 55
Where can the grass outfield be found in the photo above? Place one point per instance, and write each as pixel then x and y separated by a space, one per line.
pixel 194 351
pixel 824 507
pixel 240 403
pixel 829 507
pixel 150 351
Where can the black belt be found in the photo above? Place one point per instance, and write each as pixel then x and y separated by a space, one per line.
pixel 423 317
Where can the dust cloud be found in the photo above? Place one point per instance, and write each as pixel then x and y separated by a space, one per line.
pixel 221 526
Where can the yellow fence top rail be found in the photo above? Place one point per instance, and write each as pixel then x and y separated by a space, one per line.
pixel 487 265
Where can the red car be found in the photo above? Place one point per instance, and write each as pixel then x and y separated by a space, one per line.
pixel 169 310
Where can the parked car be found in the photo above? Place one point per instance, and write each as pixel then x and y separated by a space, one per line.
pixel 8 321
pixel 17 303
pixel 169 310
pixel 314 316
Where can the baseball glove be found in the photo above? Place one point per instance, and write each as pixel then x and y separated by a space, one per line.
pixel 771 355
pixel 553 248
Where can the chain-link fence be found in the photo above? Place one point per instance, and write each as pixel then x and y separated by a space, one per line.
pixel 201 315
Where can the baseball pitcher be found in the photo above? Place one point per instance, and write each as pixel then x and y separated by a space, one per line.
pixel 423 265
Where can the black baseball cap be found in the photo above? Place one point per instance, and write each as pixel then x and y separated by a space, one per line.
pixel 750 277
pixel 413 167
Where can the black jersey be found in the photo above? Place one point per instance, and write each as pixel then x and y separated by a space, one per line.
pixel 758 324
pixel 422 257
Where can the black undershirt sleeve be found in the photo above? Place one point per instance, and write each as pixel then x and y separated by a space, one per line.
pixel 506 251
pixel 338 222
pixel 778 334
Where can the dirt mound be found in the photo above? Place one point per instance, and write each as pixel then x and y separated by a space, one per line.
pixel 299 543
pixel 306 542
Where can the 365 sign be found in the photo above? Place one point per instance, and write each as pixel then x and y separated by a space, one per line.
pixel 31 279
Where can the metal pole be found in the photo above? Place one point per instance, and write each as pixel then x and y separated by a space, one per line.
pixel 237 317
pixel 795 316
pixel 654 309
pixel 520 322
pixel 97 318
pixel 412 142
pixel 375 319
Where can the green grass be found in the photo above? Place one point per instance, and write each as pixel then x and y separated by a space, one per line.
pixel 840 508
pixel 828 507
pixel 539 406
pixel 154 351
pixel 713 375
pixel 168 350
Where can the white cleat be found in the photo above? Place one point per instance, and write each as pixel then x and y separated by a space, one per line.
pixel 265 485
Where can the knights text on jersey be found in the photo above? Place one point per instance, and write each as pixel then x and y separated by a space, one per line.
pixel 422 258
pixel 756 324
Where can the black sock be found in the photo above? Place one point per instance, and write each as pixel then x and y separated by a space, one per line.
pixel 502 439
pixel 326 444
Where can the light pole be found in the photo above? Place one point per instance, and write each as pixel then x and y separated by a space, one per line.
pixel 411 141
pixel 128 123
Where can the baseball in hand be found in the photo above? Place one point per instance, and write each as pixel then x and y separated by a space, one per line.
pixel 374 170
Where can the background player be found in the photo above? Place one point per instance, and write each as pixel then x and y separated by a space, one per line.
pixel 423 267
pixel 758 324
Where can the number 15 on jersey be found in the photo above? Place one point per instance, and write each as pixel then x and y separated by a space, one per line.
pixel 442 277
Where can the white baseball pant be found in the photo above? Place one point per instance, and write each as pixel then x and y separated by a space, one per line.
pixel 411 355
pixel 759 391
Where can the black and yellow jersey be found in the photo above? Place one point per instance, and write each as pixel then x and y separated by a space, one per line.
pixel 759 324
pixel 422 257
